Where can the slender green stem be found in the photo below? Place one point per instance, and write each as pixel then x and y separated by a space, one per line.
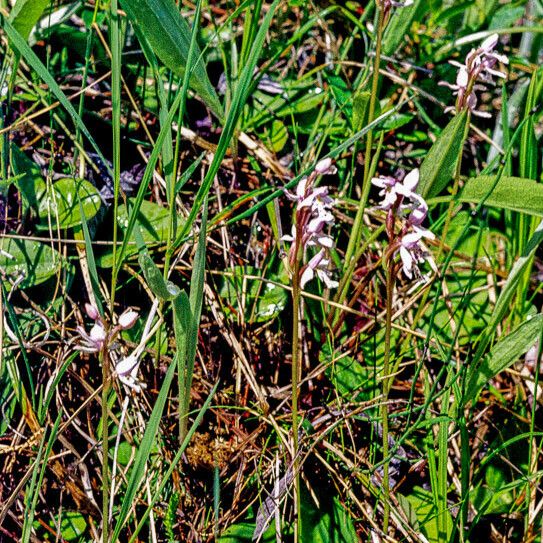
pixel 387 382
pixel 357 227
pixel 296 377
pixel 105 447
pixel 116 126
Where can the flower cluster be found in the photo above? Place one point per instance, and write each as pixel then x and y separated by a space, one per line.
pixel 402 202
pixel 101 338
pixel 479 67
pixel 313 216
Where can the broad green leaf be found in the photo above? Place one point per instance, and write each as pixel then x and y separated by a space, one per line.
pixel 396 121
pixel 72 525
pixel 503 354
pixel 59 207
pixel 276 136
pixel 25 14
pixel 409 511
pixel 186 324
pixel 438 168
pixel 423 504
pixel 330 523
pixel 294 100
pixel 169 36
pixel 351 379
pixel 36 261
pixel 152 220
pixel 493 495
pixel 124 453
pixel 506 16
pixel 183 325
pixel 513 193
pixel 360 110
pixel 399 26
pixel 30 182
pixel 340 90
pixel 243 533
pixel 491 501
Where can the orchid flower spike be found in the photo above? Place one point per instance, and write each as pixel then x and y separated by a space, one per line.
pixel 313 216
pixel 479 67
pixel 404 204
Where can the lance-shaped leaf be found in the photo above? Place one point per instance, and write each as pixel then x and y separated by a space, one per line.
pixel 513 193
pixel 25 14
pixel 504 354
pixel 438 168
pixel 168 34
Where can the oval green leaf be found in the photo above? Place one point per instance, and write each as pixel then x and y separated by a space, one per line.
pixel 152 220
pixel 35 260
pixel 59 205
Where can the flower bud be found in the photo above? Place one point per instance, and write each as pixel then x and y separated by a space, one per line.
pixel 325 166
pixel 92 311
pixel 128 319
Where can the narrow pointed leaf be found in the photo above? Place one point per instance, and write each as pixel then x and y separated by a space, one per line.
pixel 505 353
pixel 169 36
pixel 138 470
pixel 20 45
pixel 438 168
pixel 162 288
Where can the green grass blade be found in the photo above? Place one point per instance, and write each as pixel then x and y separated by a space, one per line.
pixel 38 474
pixel 238 102
pixel 158 494
pixel 91 262
pixel 26 52
pixel 140 462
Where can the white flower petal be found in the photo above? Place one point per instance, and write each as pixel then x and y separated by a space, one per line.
pixel 127 365
pixel 307 275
